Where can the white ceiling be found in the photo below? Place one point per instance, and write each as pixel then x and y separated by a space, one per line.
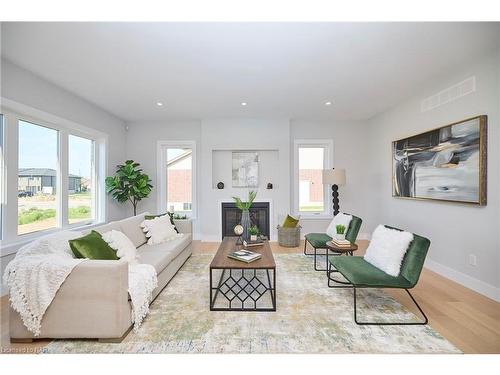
pixel 205 70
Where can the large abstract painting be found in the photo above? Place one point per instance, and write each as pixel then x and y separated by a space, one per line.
pixel 448 163
pixel 245 169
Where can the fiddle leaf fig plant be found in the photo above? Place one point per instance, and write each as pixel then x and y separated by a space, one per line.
pixel 129 184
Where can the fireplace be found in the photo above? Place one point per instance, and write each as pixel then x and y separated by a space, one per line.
pixel 231 216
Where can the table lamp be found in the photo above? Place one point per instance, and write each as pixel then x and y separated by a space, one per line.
pixel 336 178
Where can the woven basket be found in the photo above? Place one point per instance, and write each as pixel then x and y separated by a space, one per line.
pixel 289 237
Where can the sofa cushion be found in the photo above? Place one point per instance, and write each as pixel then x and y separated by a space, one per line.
pixel 92 246
pixel 108 227
pixel 131 226
pixel 160 255
pixel 318 240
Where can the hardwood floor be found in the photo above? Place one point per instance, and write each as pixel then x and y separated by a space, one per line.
pixel 466 318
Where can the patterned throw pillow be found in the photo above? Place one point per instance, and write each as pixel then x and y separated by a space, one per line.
pixel 159 230
pixel 170 214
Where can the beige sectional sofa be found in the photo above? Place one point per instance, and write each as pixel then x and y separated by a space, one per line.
pixel 93 301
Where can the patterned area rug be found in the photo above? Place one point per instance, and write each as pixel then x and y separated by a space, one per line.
pixel 310 318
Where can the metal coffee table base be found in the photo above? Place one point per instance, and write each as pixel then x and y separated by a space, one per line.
pixel 242 289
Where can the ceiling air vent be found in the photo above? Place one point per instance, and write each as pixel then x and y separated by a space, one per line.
pixel 450 94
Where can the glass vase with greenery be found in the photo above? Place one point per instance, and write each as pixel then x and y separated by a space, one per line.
pixel 244 206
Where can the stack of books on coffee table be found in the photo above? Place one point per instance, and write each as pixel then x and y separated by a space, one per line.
pixel 244 256
pixel 341 243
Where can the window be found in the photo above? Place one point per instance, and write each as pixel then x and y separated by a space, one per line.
pixel 37 182
pixel 310 158
pixel 81 189
pixel 2 177
pixel 176 175
pixel 179 179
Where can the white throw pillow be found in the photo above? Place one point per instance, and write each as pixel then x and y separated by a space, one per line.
pixel 339 219
pixel 387 249
pixel 159 230
pixel 124 247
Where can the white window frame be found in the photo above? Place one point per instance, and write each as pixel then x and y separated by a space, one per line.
pixel 161 161
pixel 3 203
pixel 327 145
pixel 13 113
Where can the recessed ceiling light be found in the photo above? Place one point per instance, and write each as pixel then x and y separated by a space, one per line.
pixel 328 103
pixel 159 104
pixel 243 103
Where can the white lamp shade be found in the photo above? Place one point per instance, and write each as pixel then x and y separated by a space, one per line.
pixel 334 176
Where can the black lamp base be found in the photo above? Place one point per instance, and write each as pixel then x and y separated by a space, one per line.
pixel 335 196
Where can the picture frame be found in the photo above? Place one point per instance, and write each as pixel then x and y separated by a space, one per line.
pixel 448 163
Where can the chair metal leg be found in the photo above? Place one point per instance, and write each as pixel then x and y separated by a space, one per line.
pixel 391 323
pixel 305 247
pixel 342 284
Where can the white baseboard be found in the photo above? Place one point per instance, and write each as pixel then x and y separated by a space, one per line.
pixel 467 281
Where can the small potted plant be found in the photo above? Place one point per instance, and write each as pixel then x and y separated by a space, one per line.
pixel 340 231
pixel 253 231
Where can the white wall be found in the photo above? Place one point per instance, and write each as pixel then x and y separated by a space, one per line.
pixel 254 134
pixel 23 87
pixel 142 139
pixel 244 134
pixel 26 89
pixel 455 230
pixel 349 151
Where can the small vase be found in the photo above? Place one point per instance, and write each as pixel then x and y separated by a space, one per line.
pixel 245 223
pixel 253 237
pixel 340 236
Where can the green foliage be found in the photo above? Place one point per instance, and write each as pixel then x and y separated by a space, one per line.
pixel 340 228
pixel 245 206
pixel 180 217
pixel 129 184
pixel 35 214
pixel 80 212
pixel 253 230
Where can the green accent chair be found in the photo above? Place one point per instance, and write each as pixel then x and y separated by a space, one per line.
pixel 319 240
pixel 361 274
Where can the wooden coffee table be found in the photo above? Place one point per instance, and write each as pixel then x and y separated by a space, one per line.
pixel 242 286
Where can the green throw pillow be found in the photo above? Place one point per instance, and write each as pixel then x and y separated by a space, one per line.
pixel 92 246
pixel 290 222
pixel 171 214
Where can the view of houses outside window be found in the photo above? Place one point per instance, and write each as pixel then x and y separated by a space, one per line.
pixel 179 180
pixel 80 184
pixel 37 178
pixel 311 190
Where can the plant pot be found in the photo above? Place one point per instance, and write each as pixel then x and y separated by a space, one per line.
pixel 340 236
pixel 253 237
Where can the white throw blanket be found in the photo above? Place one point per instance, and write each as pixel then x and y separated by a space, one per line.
pixel 37 272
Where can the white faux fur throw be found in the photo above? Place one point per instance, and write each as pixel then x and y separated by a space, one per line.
pixel 36 273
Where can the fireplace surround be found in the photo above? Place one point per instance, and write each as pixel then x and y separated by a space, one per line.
pixel 231 216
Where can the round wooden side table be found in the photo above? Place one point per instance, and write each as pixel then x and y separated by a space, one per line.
pixel 337 250
pixel 342 250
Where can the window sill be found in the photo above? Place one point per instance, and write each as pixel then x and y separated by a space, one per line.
pixel 315 217
pixel 11 247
